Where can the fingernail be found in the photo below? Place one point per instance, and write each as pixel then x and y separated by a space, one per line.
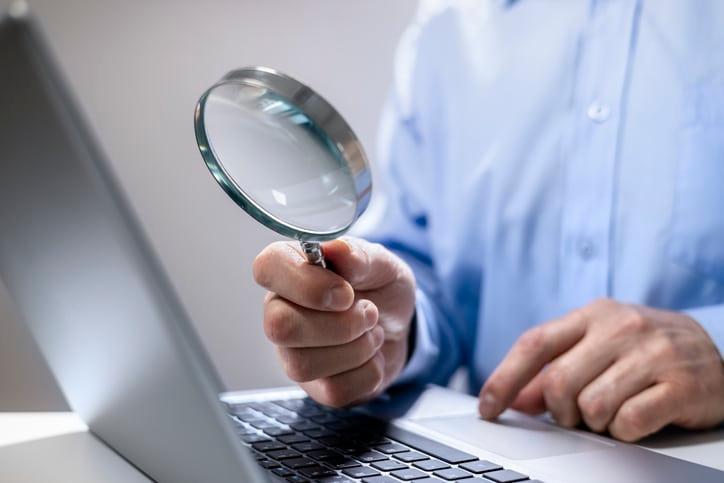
pixel 335 297
pixel 370 312
pixel 488 406
pixel 378 336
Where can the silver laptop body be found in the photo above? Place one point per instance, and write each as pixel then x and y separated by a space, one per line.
pixel 94 296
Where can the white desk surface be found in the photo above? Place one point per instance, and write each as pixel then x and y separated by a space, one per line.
pixel 57 447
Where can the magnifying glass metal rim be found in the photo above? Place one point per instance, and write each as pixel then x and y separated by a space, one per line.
pixel 332 126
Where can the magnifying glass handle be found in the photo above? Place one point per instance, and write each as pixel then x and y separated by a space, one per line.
pixel 313 252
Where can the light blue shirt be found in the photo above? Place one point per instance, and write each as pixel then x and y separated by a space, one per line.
pixel 538 155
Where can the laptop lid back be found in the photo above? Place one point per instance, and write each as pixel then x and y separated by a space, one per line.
pixel 90 289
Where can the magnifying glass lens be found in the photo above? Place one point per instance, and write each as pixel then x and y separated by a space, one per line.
pixel 279 159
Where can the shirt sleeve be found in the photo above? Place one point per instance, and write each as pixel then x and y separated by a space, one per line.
pixel 711 318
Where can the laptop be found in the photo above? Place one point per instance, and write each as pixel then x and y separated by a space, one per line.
pixel 129 362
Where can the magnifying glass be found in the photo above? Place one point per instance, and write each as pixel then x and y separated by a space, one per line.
pixel 283 154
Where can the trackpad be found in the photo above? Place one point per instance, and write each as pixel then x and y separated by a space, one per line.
pixel 514 436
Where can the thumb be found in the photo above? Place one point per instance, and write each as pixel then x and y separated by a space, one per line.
pixel 365 265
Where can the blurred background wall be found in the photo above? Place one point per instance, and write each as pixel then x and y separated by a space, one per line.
pixel 137 69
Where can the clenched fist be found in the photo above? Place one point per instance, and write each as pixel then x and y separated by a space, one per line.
pixel 341 333
pixel 624 368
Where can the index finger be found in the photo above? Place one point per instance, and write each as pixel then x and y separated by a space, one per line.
pixel 530 353
pixel 282 269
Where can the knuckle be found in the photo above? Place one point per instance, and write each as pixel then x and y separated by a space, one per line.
pixel 376 375
pixel 665 348
pixel 532 341
pixel 557 384
pixel 296 366
pixel 369 346
pixel 278 323
pixel 334 395
pixel 260 266
pixel 632 422
pixel 632 321
pixel 348 328
pixel 594 410
pixel 353 323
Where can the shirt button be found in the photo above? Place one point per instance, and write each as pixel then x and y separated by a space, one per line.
pixel 598 112
pixel 586 249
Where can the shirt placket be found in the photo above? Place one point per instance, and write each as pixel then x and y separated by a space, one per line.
pixel 590 163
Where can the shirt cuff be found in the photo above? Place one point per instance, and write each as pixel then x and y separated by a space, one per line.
pixel 425 351
pixel 711 318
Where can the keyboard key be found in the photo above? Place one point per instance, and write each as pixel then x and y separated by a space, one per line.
pixel 481 466
pixel 380 479
pixel 265 446
pixel 290 404
pixel 333 459
pixel 283 454
pixel 411 456
pixel 297 479
pixel 268 464
pixel 316 472
pixel 266 407
pixel 323 454
pixel 303 425
pixel 431 465
pixel 254 438
pixel 335 479
pixel 360 472
pixel 307 447
pixel 368 439
pixel 283 472
pixel 389 465
pixel 277 431
pixel 289 419
pixel 369 457
pixel 292 438
pixel 324 418
pixel 319 433
pixel 262 423
pixel 341 463
pixel 505 476
pixel 343 445
pixel 308 412
pixel 409 474
pixel 452 474
pixel 433 448
pixel 247 416
pixel 296 463
pixel 391 448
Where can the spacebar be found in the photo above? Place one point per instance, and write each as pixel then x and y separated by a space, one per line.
pixel 421 443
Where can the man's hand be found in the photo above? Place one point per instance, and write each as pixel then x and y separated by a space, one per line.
pixel 341 333
pixel 627 369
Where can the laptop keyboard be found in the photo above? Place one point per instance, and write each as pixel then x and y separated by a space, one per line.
pixel 301 441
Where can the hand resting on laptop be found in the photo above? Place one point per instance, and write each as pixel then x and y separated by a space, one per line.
pixel 627 369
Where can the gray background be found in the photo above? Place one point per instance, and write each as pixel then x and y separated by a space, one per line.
pixel 137 69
